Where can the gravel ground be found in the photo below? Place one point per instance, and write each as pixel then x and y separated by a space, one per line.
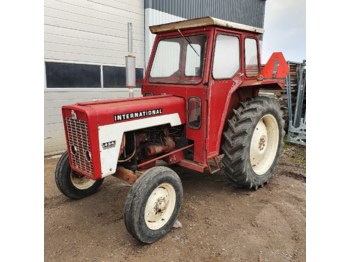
pixel 219 223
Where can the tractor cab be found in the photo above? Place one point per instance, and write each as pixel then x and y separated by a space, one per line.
pixel 205 61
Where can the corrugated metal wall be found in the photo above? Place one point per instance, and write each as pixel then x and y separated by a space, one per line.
pixel 250 12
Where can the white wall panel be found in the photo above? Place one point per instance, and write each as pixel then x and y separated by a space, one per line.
pixel 93 31
pixel 87 32
pixel 89 53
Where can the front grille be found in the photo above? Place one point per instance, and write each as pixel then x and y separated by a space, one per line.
pixel 79 146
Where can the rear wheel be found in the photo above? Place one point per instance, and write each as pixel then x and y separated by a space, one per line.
pixel 153 204
pixel 73 184
pixel 253 142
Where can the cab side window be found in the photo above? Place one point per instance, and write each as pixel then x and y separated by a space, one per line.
pixel 251 57
pixel 226 57
pixel 193 60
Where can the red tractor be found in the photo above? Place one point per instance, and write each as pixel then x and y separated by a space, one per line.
pixel 200 109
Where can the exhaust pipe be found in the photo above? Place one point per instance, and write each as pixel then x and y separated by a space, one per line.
pixel 130 65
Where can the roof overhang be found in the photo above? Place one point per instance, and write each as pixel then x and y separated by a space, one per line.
pixel 204 21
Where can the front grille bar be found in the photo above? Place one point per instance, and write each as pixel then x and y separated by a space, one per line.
pixel 79 146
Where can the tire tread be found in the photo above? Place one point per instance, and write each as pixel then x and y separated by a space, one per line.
pixel 236 160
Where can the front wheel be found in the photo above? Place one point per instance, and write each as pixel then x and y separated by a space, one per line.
pixel 153 204
pixel 73 184
pixel 253 142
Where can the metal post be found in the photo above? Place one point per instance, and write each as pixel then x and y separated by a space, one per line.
pixel 101 75
pixel 289 97
pixel 300 95
pixel 130 38
pixel 297 117
pixel 130 65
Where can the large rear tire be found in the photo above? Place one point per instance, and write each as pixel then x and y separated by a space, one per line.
pixel 253 142
pixel 153 204
pixel 73 184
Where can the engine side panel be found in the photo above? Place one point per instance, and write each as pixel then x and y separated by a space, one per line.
pixel 110 137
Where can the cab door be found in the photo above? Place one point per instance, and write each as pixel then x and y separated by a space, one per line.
pixel 225 78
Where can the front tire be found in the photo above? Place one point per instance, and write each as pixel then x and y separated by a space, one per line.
pixel 153 204
pixel 73 184
pixel 253 142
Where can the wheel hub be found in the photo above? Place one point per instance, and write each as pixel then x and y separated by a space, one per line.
pixel 259 142
pixel 160 206
pixel 262 143
pixel 80 181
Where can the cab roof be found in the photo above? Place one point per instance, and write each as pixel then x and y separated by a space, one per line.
pixel 204 21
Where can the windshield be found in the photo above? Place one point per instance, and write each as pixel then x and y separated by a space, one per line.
pixel 179 60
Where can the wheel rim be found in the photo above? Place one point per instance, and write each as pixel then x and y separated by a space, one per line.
pixel 80 181
pixel 160 206
pixel 264 144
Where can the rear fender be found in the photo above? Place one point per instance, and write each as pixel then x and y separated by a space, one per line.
pixel 272 75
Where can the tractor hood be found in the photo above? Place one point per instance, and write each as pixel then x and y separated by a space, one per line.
pixel 126 110
pixel 94 130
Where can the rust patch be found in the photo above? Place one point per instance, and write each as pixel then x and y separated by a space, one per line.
pixel 125 174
